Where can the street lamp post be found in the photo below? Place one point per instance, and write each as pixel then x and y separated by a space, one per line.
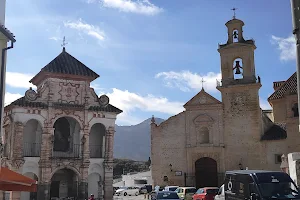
pixel 295 4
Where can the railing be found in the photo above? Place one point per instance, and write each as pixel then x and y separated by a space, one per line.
pixel 31 149
pixel 96 151
pixel 73 152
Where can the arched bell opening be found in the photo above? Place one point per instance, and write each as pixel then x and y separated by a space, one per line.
pixel 96 141
pixel 32 138
pixel 238 69
pixel 66 137
pixel 235 35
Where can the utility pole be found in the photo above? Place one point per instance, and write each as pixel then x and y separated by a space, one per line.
pixel 295 4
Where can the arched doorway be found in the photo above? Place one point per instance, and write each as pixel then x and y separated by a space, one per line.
pixel 64 183
pixel 94 185
pixel 96 140
pixel 206 172
pixel 29 195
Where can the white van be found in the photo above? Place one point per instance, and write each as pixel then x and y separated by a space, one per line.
pixel 170 188
pixel 124 191
pixel 221 194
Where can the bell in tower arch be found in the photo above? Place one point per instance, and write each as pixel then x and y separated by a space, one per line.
pixel 235 35
pixel 237 67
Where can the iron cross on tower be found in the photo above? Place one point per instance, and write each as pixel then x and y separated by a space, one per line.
pixel 202 82
pixel 234 9
pixel 64 43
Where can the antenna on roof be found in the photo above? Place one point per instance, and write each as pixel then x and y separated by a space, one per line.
pixel 64 44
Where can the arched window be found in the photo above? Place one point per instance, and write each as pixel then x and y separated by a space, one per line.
pixel 295 110
pixel 238 68
pixel 203 136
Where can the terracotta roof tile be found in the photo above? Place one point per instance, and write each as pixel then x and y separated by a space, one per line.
pixel 22 102
pixel 289 87
pixel 64 63
pixel 108 108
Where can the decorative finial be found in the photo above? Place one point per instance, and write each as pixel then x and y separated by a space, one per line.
pixel 234 9
pixel 152 119
pixel 64 44
pixel 202 82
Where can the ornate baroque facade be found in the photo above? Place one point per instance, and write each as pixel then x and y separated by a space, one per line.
pixel 62 134
pixel 197 146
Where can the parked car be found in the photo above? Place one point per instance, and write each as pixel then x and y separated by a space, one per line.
pixel 221 194
pixel 124 191
pixel 206 193
pixel 170 188
pixel 186 193
pixel 170 195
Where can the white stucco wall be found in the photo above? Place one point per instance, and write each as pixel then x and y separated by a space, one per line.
pixel 292 159
pixel 129 179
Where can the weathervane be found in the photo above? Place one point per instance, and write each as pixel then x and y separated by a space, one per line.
pixel 64 42
pixel 234 9
pixel 202 81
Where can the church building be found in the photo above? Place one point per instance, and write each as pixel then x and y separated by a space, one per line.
pixel 197 146
pixel 62 134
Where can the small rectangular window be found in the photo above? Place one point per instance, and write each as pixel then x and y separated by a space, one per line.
pixel 278 158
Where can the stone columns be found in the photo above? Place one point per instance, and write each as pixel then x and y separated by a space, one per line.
pixel 18 141
pixel 85 145
pixel 108 164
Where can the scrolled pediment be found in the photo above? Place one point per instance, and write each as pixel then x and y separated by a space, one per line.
pixel 203 119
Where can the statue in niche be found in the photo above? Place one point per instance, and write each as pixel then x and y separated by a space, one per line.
pixel 61 135
pixel 203 135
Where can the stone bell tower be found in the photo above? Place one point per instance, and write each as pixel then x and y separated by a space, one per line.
pixel 240 96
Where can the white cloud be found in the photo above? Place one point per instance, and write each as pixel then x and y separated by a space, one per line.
pixel 86 28
pixel 10 97
pixel 138 6
pixel 286 46
pixel 187 81
pixel 264 104
pixel 129 102
pixel 19 80
pixel 55 38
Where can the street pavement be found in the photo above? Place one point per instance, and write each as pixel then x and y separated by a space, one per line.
pixel 140 197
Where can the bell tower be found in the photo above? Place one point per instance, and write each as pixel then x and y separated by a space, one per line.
pixel 237 56
pixel 240 97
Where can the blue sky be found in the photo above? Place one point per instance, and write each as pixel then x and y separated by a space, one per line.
pixel 150 55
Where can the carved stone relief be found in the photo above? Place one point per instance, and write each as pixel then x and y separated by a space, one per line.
pixel 68 93
pixel 203 100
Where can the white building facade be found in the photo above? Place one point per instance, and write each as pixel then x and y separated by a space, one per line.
pixel 62 134
pixel 135 180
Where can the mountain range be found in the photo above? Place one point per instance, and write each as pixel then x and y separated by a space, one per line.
pixel 134 142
